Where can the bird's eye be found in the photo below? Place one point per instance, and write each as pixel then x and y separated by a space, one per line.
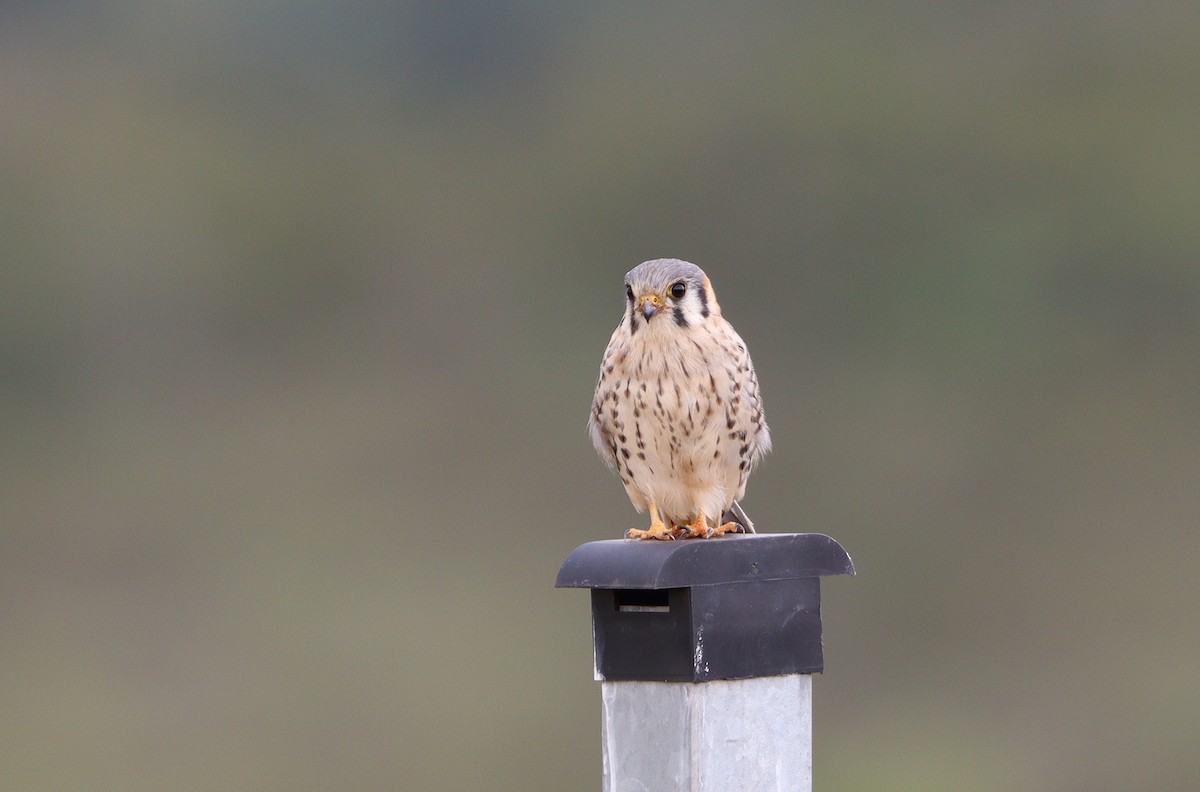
pixel 678 290
pixel 629 292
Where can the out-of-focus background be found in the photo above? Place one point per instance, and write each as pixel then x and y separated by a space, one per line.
pixel 302 305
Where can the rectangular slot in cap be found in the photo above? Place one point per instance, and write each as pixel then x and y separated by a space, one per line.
pixel 642 601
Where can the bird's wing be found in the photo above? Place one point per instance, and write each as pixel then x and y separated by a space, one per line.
pixel 599 427
pixel 761 442
pixel 601 438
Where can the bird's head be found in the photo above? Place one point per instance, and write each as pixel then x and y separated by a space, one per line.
pixel 668 292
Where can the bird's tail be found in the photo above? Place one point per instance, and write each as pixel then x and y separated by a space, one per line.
pixel 735 514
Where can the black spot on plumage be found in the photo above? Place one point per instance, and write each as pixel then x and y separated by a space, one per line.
pixel 625 453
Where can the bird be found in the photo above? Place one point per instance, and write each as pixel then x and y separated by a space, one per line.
pixel 677 412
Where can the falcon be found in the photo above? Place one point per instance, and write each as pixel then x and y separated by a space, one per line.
pixel 677 411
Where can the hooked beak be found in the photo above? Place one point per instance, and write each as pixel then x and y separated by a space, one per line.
pixel 650 304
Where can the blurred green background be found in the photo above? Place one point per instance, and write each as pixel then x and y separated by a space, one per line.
pixel 302 305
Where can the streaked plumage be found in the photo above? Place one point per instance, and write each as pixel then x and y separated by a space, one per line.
pixel 677 411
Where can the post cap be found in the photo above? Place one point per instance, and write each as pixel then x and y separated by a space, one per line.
pixel 734 558
pixel 699 610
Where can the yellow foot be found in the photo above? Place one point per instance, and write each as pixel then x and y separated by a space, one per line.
pixel 698 529
pixel 658 528
pixel 729 527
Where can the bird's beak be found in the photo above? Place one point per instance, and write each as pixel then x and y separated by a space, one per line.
pixel 650 305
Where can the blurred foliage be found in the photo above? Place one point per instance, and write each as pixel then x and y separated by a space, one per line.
pixel 300 311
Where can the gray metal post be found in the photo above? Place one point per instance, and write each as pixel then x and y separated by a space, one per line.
pixel 719 736
pixel 705 651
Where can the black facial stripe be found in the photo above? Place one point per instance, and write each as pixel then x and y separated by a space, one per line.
pixel 632 323
pixel 679 319
pixel 703 301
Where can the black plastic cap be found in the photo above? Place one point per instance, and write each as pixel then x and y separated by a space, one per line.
pixel 699 610
pixel 734 558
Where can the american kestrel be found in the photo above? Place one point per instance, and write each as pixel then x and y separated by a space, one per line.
pixel 677 411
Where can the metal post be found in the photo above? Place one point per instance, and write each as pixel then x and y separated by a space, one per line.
pixel 717 736
pixel 705 651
